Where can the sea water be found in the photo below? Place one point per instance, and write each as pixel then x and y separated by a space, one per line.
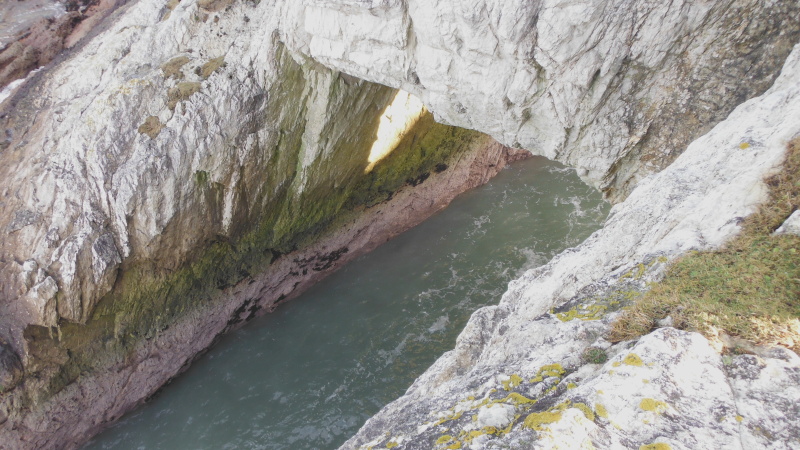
pixel 309 375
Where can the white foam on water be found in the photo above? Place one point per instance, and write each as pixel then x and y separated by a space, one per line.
pixel 552 168
pixel 8 90
pixel 440 324
pixel 12 87
pixel 479 226
pixel 578 211
pixel 533 259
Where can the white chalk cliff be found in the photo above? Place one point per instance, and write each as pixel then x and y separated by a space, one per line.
pixel 669 387
pixel 187 131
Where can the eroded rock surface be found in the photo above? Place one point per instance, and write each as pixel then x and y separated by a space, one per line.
pixel 122 136
pixel 616 89
pixel 161 167
pixel 10 368
pixel 174 179
pixel 530 352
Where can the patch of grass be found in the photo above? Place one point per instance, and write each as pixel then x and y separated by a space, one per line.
pixel 211 66
pixel 171 5
pixel 595 355
pixel 151 127
pixel 214 5
pixel 181 92
pixel 750 288
pixel 172 68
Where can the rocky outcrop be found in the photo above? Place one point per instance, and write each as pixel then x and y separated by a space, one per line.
pixel 158 195
pixel 536 372
pixel 188 166
pixel 616 89
pixel 125 372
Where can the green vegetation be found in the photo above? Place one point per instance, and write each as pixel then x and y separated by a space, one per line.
pixel 425 146
pixel 214 5
pixel 594 355
pixel 151 295
pixel 171 5
pixel 750 288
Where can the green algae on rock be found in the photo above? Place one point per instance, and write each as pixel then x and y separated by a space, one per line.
pixel 297 203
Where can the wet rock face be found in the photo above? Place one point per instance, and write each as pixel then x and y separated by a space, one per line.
pixel 10 368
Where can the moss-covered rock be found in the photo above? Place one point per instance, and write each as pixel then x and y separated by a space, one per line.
pixel 301 198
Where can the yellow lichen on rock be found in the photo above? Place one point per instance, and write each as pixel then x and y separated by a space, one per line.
pixel 583 312
pixel 656 406
pixel 537 421
pixel 601 410
pixel 585 409
pixel 549 370
pixel 513 381
pixel 516 399
pixel 632 359
pixel 454 416
pixel 656 446
pixel 444 439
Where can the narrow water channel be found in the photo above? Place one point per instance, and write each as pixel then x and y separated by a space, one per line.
pixel 310 374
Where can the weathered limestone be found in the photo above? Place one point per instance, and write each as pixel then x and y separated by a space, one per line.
pixel 616 89
pixel 669 387
pixel 791 225
pixel 151 205
pixel 152 174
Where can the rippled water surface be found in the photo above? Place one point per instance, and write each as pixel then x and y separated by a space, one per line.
pixel 309 375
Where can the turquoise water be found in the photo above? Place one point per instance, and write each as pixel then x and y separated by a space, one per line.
pixel 310 374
